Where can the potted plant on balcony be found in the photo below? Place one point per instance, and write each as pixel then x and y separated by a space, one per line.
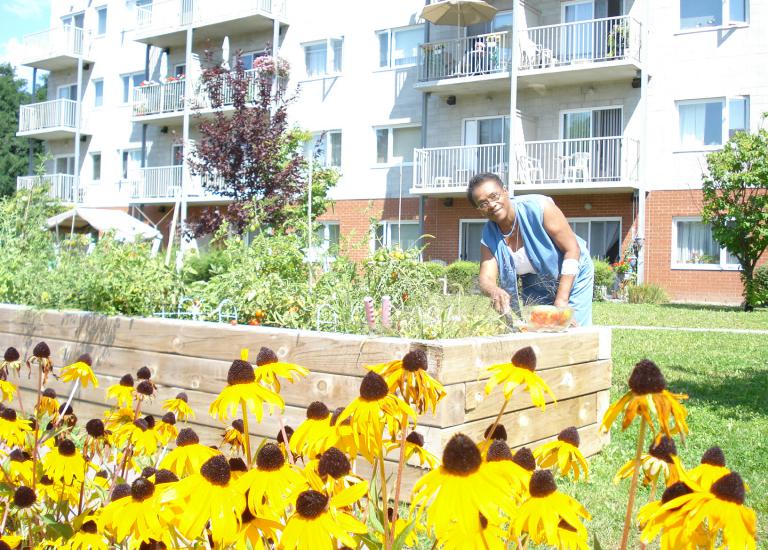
pixel 617 41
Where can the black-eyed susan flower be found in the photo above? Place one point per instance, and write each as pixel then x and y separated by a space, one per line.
pixel 515 470
pixel 166 429
pixel 331 473
pixel 269 368
pixel 145 389
pixel 19 467
pixel 11 362
pixel 116 418
pixel 135 511
pixel 658 462
pixel 244 392
pixel 96 437
pixel 340 435
pixel 13 430
pixel 414 446
pixel 209 496
pixel 484 536
pixel 671 523
pixel 409 376
pixel 48 403
pixel 139 435
pixel 255 530
pixel 499 432
pixel 563 453
pixel 648 396
pixel 64 463
pixel 87 538
pixel 11 541
pixel 273 483
pixel 369 412
pixel 7 390
pixel 319 523
pixel 520 371
pixel 711 468
pixel 80 371
pixel 41 356
pixel 57 492
pixel 179 406
pixel 24 497
pixel 122 392
pixel 189 455
pixel 234 436
pixel 310 436
pixel 540 515
pixel 463 477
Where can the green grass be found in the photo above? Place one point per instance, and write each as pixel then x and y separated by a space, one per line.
pixel 678 315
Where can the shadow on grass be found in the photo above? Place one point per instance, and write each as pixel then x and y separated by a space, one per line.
pixel 704 307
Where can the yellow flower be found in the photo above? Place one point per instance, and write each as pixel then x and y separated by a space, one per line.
pixel 58 492
pixel 179 406
pixel 541 515
pixel 310 436
pixel 409 376
pixel 268 368
pixel 369 412
pixel 711 468
pixel 515 470
pixel 13 430
pixel 648 395
pixel 166 429
pixel 483 536
pixel 242 390
pixel 660 460
pixel 7 390
pixel 117 418
pixel 11 540
pixel 340 435
pixel 670 523
pixel 64 463
pixel 135 511
pixel 234 436
pixel 319 522
pixel 520 371
pixel 10 362
pixel 414 445
pixel 272 484
pixel 19 467
pixel 463 478
pixel 255 530
pixel 122 392
pixel 189 455
pixel 139 435
pixel 564 453
pixel 48 403
pixel 81 371
pixel 87 538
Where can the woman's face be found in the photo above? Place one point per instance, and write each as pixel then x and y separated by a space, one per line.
pixel 491 201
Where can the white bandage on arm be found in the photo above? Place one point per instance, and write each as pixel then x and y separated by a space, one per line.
pixel 570 267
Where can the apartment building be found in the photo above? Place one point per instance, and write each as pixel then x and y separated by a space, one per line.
pixel 607 106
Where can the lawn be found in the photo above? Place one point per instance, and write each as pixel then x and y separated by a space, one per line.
pixel 678 315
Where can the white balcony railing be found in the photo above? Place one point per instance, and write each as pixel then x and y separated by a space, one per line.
pixel 179 13
pixel 164 183
pixel 467 56
pixel 66 40
pixel 153 99
pixel 59 113
pixel 62 186
pixel 447 168
pixel 607 39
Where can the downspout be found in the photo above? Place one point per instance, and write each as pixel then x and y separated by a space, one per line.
pixel 643 184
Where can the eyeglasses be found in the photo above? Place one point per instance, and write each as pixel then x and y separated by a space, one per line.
pixel 493 198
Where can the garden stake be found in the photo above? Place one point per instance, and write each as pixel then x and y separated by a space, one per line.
pixel 247 434
pixel 69 400
pixel 633 486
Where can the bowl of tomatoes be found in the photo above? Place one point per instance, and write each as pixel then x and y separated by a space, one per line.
pixel 549 318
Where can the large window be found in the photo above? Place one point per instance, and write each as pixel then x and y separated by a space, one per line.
pixel 131 81
pixel 98 93
pixel 602 235
pixel 391 234
pixel 324 57
pixel 712 13
pixel 101 26
pixel 327 147
pixel 694 247
pixel 96 159
pixel 395 145
pixel 710 122
pixel 399 46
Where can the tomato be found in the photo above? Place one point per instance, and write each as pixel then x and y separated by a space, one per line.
pixel 233 322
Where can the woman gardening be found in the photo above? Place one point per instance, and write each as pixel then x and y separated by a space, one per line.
pixel 529 237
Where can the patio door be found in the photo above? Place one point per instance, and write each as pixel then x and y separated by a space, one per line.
pixel 592 144
pixel 577 37
pixel 491 138
pixel 65 165
pixel 471 231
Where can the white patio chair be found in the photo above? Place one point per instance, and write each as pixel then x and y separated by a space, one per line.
pixel 530 170
pixel 578 166
pixel 528 52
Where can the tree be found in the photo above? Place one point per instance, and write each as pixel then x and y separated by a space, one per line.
pixel 14 150
pixel 736 202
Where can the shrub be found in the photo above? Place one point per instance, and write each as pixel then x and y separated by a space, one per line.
pixel 647 294
pixel 761 285
pixel 604 277
pixel 462 277
pixel 204 265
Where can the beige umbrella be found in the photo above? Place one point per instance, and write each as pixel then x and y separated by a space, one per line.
pixel 458 12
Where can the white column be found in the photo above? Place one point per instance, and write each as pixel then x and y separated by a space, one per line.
pixel 517 17
pixel 186 177
pixel 643 179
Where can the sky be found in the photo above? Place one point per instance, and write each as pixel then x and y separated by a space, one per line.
pixel 18 18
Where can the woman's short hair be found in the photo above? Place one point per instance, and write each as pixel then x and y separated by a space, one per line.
pixel 480 179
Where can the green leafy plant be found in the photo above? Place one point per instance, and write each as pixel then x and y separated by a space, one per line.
pixel 604 277
pixel 761 285
pixel 647 294
pixel 462 277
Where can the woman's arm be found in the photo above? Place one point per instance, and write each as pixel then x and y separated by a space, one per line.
pixel 565 239
pixel 489 274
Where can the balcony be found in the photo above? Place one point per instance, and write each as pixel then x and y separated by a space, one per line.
pixel 160 102
pixel 55 49
pixel 163 23
pixel 62 186
pixel 554 166
pixel 162 184
pixel 50 120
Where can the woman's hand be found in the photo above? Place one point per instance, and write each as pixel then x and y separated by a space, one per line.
pixel 560 302
pixel 499 299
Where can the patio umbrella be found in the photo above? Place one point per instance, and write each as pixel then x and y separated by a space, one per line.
pixel 461 13
pixel 225 54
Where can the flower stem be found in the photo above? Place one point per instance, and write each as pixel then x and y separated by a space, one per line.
pixel 37 428
pixel 400 468
pixel 488 439
pixel 633 486
pixel 285 438
pixel 247 434
pixel 384 500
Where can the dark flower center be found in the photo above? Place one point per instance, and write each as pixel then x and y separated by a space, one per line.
pixel 11 355
pixel 414 360
pixel 237 464
pixel 317 411
pixel 9 415
pixel 142 489
pixel 730 487
pixel 152 544
pixel 102 474
pixel 95 427
pixel 461 456
pixel 566 526
pixel 373 387
pixel 50 393
pixel 270 458
pixel 311 504
pixel 675 490
pixel 499 432
pixel 335 416
pixel 525 358
pixel 89 527
pixel 542 484
pixel 169 418
pixel 150 420
pixel 165 476
pixel 334 463
pixel 17 455
pixel 288 433
pixel 69 410
pixel 4 546
pixel 42 351
pixel 148 472
pixel 265 357
pixel 145 387
pixel 498 451
pixel 187 436
pixel 646 378
pixel 216 470
pixel 144 373
pixel 182 397
pixel 121 490
pixel 85 358
pixel 570 435
pixel 713 456
pixel 141 424
pixel 238 425
pixel 240 372
pixel 45 480
pixel 24 497
pixel 416 438
pixel 66 447
pixel 127 381
pixel 524 458
pixel 663 449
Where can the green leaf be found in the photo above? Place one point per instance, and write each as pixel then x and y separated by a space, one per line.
pixel 596 543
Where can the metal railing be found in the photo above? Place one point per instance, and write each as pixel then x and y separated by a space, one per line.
pixel 179 13
pixel 467 56
pixel 606 39
pixel 62 186
pixel 164 182
pixel 157 98
pixel 452 167
pixel 66 40
pixel 59 113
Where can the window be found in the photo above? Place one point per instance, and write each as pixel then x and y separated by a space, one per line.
pixel 501 22
pixel 180 69
pixel 327 236
pixel 603 236
pixel 710 122
pixel 73 20
pixel 96 160
pixel 323 58
pixel 131 81
pixel 98 93
pixel 101 27
pixel 712 13
pixel 327 147
pixel 131 163
pixel 68 91
pixel 470 233
pixel 399 46
pixel 65 165
pixel 394 145
pixel 248 59
pixel 694 247
pixel 391 234
pixel 177 154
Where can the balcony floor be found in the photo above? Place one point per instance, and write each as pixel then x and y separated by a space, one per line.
pixel 168 34
pixel 59 132
pixel 171 118
pixel 53 62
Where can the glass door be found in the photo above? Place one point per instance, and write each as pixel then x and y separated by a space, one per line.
pixel 65 165
pixel 577 36
pixel 491 135
pixel 591 145
pixel 471 233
